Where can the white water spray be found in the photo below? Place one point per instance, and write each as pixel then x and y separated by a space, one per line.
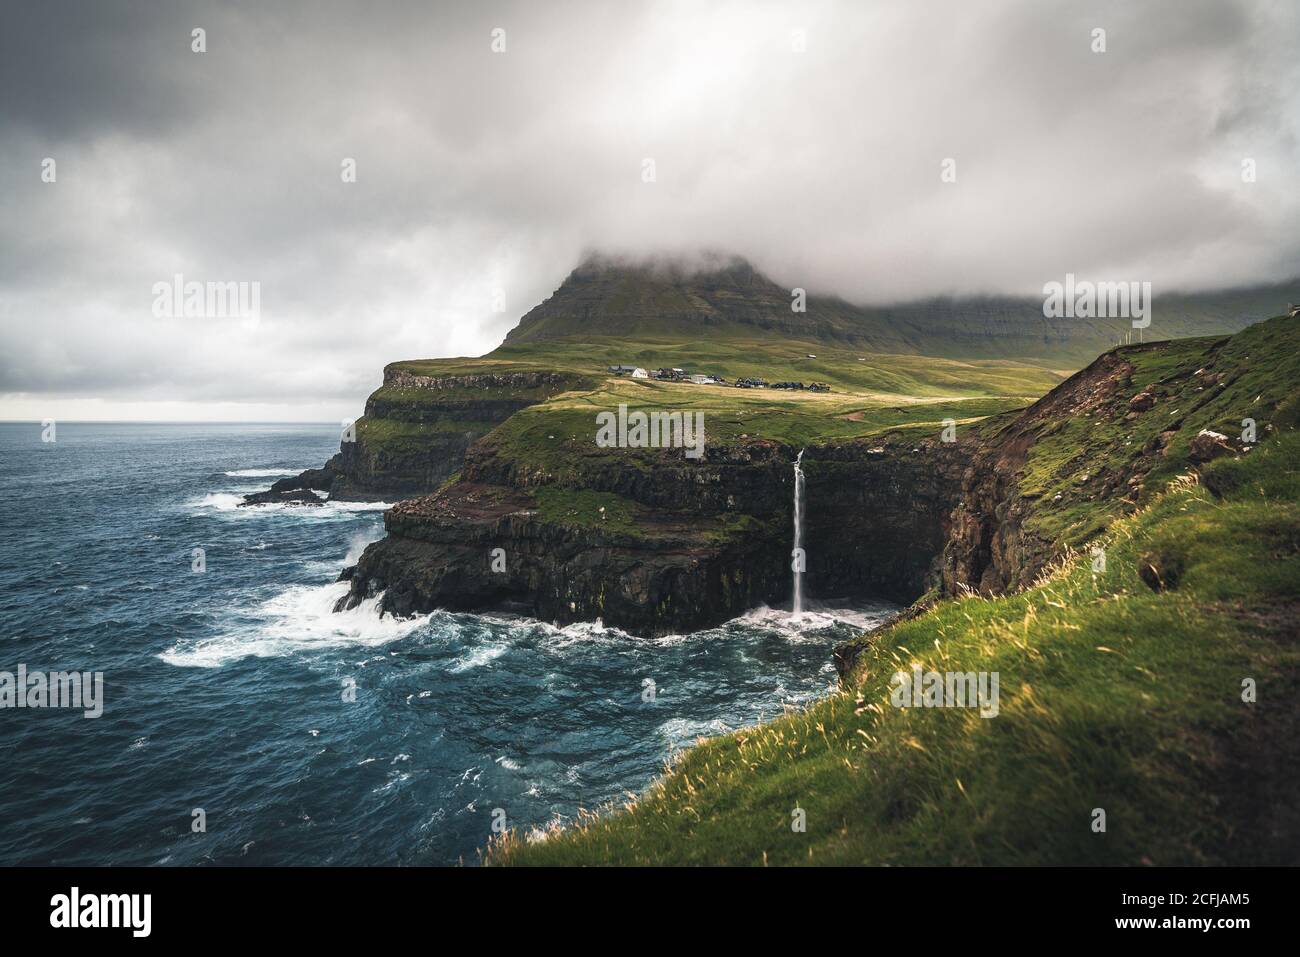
pixel 797 559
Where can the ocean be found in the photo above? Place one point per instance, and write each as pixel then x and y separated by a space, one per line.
pixel 235 699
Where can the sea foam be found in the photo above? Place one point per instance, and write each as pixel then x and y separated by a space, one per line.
pixel 301 618
pixel 262 473
pixel 229 502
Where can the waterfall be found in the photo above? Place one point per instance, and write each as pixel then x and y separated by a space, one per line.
pixel 797 563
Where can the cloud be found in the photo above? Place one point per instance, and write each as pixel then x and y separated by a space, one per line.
pixel 480 171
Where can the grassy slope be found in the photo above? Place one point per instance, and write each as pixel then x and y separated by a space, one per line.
pixel 871 392
pixel 777 360
pixel 554 436
pixel 1112 696
pixel 877 393
pixel 1259 371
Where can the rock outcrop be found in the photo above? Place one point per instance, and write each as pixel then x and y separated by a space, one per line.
pixel 416 430
pixel 708 540
pixel 476 547
pixel 1208 446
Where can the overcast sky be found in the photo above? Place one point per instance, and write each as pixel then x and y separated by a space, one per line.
pixel 479 170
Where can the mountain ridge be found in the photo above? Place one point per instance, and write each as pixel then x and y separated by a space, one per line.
pixel 726 296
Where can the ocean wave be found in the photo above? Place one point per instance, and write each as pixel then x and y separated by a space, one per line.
pixel 683 732
pixel 299 619
pixel 220 501
pixel 358 543
pixel 262 473
pixel 229 502
pixel 478 656
pixel 805 625
pixel 818 617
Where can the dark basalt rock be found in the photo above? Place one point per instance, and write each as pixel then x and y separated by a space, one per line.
pixel 462 410
pixel 298 490
pixel 668 577
pixel 878 519
pixel 287 496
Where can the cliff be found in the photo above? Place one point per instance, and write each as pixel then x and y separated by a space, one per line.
pixel 651 541
pixel 417 427
pixel 651 550
pixel 720 314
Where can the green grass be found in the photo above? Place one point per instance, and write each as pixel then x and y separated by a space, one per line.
pixel 558 437
pixel 776 360
pixel 871 393
pixel 1112 696
pixel 581 508
pixel 469 365
pixel 584 508
pixel 1260 367
pixel 377 432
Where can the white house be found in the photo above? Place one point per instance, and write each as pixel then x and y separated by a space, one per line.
pixel 640 374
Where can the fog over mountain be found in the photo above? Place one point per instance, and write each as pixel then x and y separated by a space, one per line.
pixel 808 138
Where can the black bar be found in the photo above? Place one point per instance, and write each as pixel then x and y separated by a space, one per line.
pixel 944 906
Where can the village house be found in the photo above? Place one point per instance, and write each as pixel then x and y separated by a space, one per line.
pixel 671 375
pixel 668 375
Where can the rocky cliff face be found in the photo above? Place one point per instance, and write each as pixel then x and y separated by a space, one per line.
pixel 415 432
pixel 990 548
pixel 477 547
pixel 879 513
pixel 666 548
pixel 706 540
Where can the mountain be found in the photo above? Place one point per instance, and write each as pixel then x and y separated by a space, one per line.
pixel 664 299
pixel 728 298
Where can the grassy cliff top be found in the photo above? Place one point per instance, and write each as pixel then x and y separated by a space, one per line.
pixel 870 393
pixel 1220 384
pixel 777 359
pixel 557 435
